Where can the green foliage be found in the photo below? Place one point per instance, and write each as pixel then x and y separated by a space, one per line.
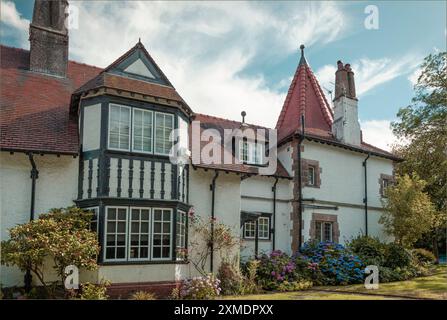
pixel 62 235
pixel 91 291
pixel 370 250
pixel 423 256
pixel 250 283
pixel 143 295
pixel 409 213
pixel 396 256
pixel 294 285
pixel 232 280
pixel 275 269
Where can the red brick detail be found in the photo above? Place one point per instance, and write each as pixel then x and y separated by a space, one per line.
pixel 161 289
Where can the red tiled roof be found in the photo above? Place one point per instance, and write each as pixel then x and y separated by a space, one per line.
pixel 34 107
pixel 304 97
pixel 219 124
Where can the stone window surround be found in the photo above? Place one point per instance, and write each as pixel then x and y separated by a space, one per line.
pixel 321 217
pixel 306 163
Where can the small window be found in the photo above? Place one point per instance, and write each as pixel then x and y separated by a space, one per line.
pixel 311 176
pixel 119 127
pixel 164 124
pixel 251 153
pixel 250 229
pixel 323 231
pixel 263 228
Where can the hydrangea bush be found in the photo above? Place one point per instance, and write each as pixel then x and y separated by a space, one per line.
pixel 276 268
pixel 337 264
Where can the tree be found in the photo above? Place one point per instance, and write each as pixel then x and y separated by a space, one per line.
pixel 62 235
pixel 409 212
pixel 422 128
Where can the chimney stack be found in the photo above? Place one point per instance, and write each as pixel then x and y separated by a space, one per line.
pixel 49 38
pixel 346 127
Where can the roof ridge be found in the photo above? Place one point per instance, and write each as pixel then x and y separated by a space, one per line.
pixel 235 121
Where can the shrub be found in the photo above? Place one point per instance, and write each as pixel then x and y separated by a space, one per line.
pixel 143 295
pixel 337 264
pixel 199 288
pixel 294 285
pixel 91 291
pixel 274 269
pixel 231 278
pixel 396 256
pixel 370 250
pixel 423 256
pixel 250 271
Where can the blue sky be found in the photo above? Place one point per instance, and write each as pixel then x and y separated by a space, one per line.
pixel 232 56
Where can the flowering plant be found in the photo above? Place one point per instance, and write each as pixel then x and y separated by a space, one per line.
pixel 276 268
pixel 200 288
pixel 337 264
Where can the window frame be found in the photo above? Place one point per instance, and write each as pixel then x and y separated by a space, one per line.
pixel 314 176
pixel 252 152
pixel 149 234
pixel 125 259
pixel 171 244
pixel 183 239
pixel 268 228
pixel 130 127
pixel 95 217
pixel 155 133
pixel 254 229
pixel 321 236
pixel 132 149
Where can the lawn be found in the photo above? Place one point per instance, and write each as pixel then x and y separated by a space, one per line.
pixel 431 287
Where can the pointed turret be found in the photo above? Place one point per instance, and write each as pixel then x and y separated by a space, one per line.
pixel 304 97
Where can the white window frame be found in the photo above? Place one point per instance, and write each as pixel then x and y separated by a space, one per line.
pixel 322 230
pixel 155 133
pixel 130 127
pixel 105 234
pixel 170 233
pixel 253 151
pixel 149 234
pixel 152 129
pixel 182 237
pixel 268 228
pixel 254 229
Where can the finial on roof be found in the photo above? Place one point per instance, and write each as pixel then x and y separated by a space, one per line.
pixel 243 114
pixel 303 59
pixel 139 40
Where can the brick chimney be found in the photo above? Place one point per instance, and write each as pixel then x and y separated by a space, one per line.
pixel 346 127
pixel 48 38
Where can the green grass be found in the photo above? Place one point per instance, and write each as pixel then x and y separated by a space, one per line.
pixel 431 287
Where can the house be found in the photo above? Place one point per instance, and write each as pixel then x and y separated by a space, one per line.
pixel 75 134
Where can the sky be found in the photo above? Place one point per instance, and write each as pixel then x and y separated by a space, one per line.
pixel 225 57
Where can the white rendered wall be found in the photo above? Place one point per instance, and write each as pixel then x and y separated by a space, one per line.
pixel 56 187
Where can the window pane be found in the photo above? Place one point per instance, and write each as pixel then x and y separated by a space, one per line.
pixel 116 229
pixel 164 123
pixel 119 127
pixel 142 130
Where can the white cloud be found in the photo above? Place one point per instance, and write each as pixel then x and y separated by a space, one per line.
pixel 13 24
pixel 413 77
pixel 370 73
pixel 378 133
pixel 203 47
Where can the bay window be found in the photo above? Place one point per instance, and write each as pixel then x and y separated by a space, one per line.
pixel 181 234
pixel 139 130
pixel 142 234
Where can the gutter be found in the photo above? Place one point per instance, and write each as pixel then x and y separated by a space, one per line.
pixel 274 214
pixel 365 199
pixel 300 184
pixel 213 193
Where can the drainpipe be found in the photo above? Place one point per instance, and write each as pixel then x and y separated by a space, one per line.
pixel 365 199
pixel 213 189
pixel 34 176
pixel 300 186
pixel 274 215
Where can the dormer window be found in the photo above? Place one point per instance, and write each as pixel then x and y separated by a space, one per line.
pixel 150 131
pixel 251 152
